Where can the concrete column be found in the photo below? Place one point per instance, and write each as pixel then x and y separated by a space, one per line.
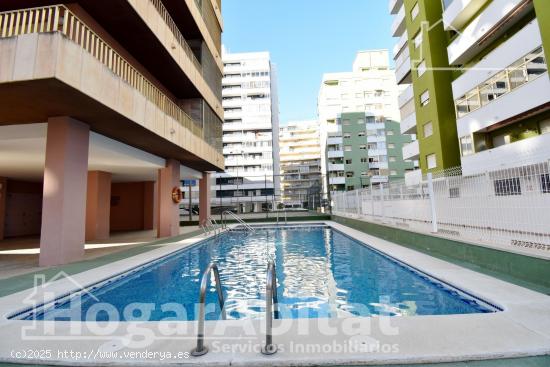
pixel 64 204
pixel 149 199
pixel 205 196
pixel 168 211
pixel 3 194
pixel 98 205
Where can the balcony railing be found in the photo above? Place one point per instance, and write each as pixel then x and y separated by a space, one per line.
pixel 58 18
pixel 523 71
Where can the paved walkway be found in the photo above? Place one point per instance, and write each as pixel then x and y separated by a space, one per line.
pixel 15 280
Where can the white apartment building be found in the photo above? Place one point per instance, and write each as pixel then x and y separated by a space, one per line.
pixel 369 88
pixel 300 154
pixel 251 181
pixel 250 133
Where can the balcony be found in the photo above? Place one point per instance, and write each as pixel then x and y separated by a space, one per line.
pixel 399 26
pixel 403 72
pixel 401 44
pixel 395 5
pixel 337 180
pixel 411 151
pixel 508 53
pixel 512 92
pixel 335 153
pixel 459 12
pixel 336 167
pixel 495 20
pixel 406 96
pixel 65 67
pixel 408 125
pixel 508 156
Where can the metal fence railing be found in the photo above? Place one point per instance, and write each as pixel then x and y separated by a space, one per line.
pixel 508 208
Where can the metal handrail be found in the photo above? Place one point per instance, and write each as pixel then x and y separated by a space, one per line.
pixel 271 308
pixel 237 218
pixel 201 349
pixel 214 225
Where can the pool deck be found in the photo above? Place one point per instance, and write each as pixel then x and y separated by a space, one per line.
pixel 521 330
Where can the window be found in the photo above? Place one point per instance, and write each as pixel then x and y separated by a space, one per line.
pixel 345 122
pixel 364 174
pixel 349 161
pixel 428 129
pixel 360 121
pixel 421 68
pixel 545 183
pixel 347 135
pixel 414 12
pixel 389 132
pixel 361 134
pixel 347 148
pixel 454 192
pixel 391 146
pixel 431 161
pixel 393 173
pixel 418 40
pixel 393 159
pixel 544 126
pixel 364 160
pixel 349 174
pixel 466 146
pixel 351 188
pixel 363 147
pixel 508 186
pixel 425 98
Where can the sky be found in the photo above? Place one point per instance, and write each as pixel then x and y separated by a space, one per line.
pixel 306 38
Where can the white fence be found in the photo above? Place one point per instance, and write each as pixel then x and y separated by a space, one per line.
pixel 508 209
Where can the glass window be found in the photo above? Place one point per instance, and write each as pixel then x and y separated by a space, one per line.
pixel 418 40
pixel 389 132
pixel 545 183
pixel 363 147
pixel 361 134
pixel 349 161
pixel 393 173
pixel 391 146
pixel 428 129
pixel 414 12
pixel 544 126
pixel 347 136
pixel 345 122
pixel 360 121
pixel 431 161
pixel 421 68
pixel 508 186
pixel 466 145
pixel 393 159
pixel 364 160
pixel 347 148
pixel 349 174
pixel 425 98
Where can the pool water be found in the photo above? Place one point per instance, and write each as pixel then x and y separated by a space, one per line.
pixel 320 271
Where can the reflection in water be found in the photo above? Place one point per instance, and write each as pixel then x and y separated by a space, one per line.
pixel 321 273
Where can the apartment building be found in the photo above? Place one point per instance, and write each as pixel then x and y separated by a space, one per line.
pixel 367 151
pixel 371 91
pixel 250 133
pixel 105 117
pixel 484 65
pixel 300 154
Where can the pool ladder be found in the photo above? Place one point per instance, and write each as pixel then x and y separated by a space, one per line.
pixel 237 218
pixel 271 308
pixel 210 225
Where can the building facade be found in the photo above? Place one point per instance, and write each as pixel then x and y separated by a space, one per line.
pixel 103 122
pixel 300 153
pixel 367 151
pixel 250 133
pixel 485 62
pixel 369 93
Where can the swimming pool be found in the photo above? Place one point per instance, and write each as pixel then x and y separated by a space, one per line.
pixel 321 273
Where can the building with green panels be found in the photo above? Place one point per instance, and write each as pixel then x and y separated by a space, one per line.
pixel 371 152
pixel 479 92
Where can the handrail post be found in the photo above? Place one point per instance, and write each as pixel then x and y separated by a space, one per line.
pixel 271 307
pixel 201 349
